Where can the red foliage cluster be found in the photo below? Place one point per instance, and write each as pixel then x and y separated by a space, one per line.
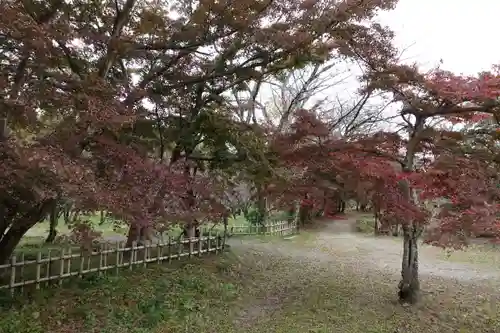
pixel 318 166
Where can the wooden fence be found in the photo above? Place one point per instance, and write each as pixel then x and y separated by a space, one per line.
pixel 277 228
pixel 42 268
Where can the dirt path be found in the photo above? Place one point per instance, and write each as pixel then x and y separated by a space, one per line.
pixel 324 270
pixel 337 243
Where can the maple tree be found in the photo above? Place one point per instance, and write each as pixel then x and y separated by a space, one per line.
pixel 75 76
pixel 428 163
pixel 468 179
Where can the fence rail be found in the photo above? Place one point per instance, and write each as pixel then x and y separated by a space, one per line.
pixel 45 268
pixel 278 228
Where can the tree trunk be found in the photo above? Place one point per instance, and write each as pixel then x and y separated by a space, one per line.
pixel 67 212
pixel 376 226
pixel 262 208
pixel 226 222
pixel 190 232
pixel 19 225
pixel 409 286
pixel 102 218
pixel 53 221
pixel 139 234
pixel 133 235
pixel 292 211
pixel 395 230
pixel 304 214
pixel 376 215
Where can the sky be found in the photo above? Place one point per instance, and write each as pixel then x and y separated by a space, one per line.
pixel 460 32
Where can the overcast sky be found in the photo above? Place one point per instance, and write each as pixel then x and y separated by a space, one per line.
pixel 462 33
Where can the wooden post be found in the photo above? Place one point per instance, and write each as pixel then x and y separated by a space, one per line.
pixel 12 273
pixel 48 274
pixel 104 249
pixel 132 254
pixel 169 249
pixel 101 259
pixel 38 263
pixel 180 247
pixel 61 266
pixel 68 271
pixel 209 249
pixel 159 250
pixel 200 245
pixel 191 248
pixel 82 263
pixel 117 259
pixel 22 279
pixel 217 243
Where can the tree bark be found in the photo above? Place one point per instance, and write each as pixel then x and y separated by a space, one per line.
pixel 409 286
pixel 19 225
pixel 292 211
pixel 139 234
pixel 376 215
pixel 262 207
pixel 53 221
pixel 102 219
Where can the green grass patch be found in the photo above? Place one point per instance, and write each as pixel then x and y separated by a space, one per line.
pixel 480 254
pixel 34 239
pixel 159 298
pixel 365 225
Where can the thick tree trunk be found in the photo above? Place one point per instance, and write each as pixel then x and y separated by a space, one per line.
pixel 53 221
pixel 19 225
pixel 304 212
pixel 133 235
pixel 139 234
pixel 190 233
pixel 409 286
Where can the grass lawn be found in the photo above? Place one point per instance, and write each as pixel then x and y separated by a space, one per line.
pixel 35 237
pixel 252 289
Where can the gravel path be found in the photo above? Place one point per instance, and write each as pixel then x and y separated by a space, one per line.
pixel 336 243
